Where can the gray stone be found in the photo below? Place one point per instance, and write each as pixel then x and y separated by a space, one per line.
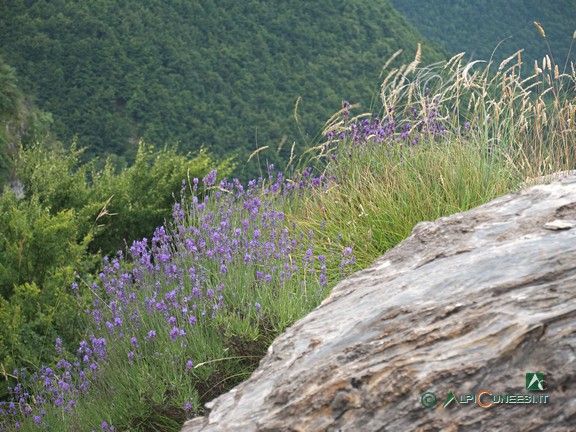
pixel 17 187
pixel 467 303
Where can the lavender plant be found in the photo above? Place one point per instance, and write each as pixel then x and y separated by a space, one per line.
pixel 187 314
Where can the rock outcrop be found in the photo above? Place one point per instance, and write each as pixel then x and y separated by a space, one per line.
pixel 469 324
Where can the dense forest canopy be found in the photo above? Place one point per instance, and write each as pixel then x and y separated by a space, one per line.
pixel 21 123
pixel 10 99
pixel 224 74
pixel 478 27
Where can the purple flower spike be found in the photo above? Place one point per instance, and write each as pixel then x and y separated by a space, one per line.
pixel 210 179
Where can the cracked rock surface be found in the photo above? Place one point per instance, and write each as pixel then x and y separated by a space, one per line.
pixel 470 302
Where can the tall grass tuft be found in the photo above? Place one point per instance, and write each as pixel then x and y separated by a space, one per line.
pixel 449 136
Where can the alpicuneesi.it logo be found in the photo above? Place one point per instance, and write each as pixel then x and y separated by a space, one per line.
pixel 535 381
pixel 485 398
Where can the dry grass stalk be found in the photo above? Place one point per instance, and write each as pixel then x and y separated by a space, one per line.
pixel 255 152
pixel 529 116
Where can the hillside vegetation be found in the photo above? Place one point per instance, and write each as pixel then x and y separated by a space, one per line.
pixel 174 320
pixel 21 123
pixel 478 27
pixel 225 75
pixel 131 296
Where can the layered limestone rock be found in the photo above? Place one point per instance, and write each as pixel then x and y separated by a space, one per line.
pixel 444 332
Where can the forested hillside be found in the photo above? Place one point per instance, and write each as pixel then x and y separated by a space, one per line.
pixel 477 27
pixel 221 74
pixel 10 101
pixel 20 121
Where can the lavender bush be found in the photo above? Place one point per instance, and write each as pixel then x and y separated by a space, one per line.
pixel 188 313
